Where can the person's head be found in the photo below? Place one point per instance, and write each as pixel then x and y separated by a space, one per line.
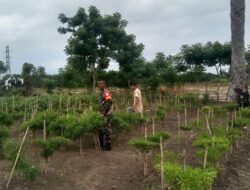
pixel 133 85
pixel 101 84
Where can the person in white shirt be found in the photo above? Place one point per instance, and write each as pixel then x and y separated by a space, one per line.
pixel 137 98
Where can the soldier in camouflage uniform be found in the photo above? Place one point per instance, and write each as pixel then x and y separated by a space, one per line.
pixel 105 103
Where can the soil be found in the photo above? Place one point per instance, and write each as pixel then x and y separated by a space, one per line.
pixel 122 168
pixel 235 173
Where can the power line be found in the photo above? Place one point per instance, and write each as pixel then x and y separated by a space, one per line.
pixel 8 60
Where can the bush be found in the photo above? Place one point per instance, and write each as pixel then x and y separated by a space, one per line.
pixel 156 138
pixel 10 149
pixel 188 178
pixel 143 145
pixel 51 145
pixel 205 99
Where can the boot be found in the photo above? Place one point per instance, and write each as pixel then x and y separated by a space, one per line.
pixel 107 147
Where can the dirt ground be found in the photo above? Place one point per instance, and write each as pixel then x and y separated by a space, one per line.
pixel 235 174
pixel 122 168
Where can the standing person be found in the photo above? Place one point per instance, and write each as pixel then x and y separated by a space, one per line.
pixel 105 103
pixel 137 99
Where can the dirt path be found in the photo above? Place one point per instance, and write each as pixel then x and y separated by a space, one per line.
pixel 236 172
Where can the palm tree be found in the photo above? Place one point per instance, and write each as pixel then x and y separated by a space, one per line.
pixel 238 90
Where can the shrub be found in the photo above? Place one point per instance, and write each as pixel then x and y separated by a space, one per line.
pixel 188 178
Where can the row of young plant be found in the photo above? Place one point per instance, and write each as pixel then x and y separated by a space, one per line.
pixel 53 128
pixel 218 128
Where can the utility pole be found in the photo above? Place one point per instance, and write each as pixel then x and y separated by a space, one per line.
pixel 8 72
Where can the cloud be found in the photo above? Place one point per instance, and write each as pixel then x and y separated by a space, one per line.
pixel 30 27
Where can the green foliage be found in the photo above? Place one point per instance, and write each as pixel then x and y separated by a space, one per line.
pixel 189 178
pixel 181 107
pixel 245 112
pixel 219 111
pixel 4 134
pixel 36 123
pixel 122 121
pixel 51 145
pixel 232 134
pixel 143 145
pixel 58 125
pixel 190 98
pixel 205 99
pixel 240 122
pixel 10 149
pixel 168 157
pixel 157 135
pixel 5 119
pixel 230 107
pixel 217 146
pixel 160 113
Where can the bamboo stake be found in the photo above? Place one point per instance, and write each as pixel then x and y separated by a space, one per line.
pixel 208 127
pixel 44 138
pixel 179 129
pixel 185 117
pixel 17 157
pixel 198 116
pixel 153 125
pixel 25 109
pixel 80 141
pixel 13 104
pixel 184 159
pixel 145 165
pixel 162 160
pixel 2 102
pixel 205 158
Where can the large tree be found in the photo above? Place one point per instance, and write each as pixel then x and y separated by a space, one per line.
pixel 238 77
pixel 96 39
pixel 191 59
pixel 217 55
pixel 3 68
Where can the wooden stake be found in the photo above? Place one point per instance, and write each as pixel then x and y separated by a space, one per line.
pixel 184 159
pixel 185 117
pixel 162 169
pixel 205 158
pixel 25 109
pixel 153 125
pixel 208 127
pixel 80 141
pixel 145 165
pixel 13 104
pixel 179 129
pixel 17 157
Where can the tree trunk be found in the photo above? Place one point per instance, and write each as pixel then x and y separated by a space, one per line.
pixel 238 77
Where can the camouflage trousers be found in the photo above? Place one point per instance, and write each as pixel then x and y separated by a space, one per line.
pixel 105 132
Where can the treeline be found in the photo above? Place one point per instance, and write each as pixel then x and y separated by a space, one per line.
pixel 96 40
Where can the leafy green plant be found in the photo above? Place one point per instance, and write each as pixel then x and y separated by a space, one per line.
pixel 5 119
pixel 160 113
pixel 205 99
pixel 230 107
pixel 187 178
pixel 51 145
pixel 143 145
pixel 156 137
pixel 10 149
pixel 36 123
pixel 217 146
pixel 240 122
pixel 245 112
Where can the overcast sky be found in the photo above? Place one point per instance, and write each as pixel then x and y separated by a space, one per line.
pixel 29 27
